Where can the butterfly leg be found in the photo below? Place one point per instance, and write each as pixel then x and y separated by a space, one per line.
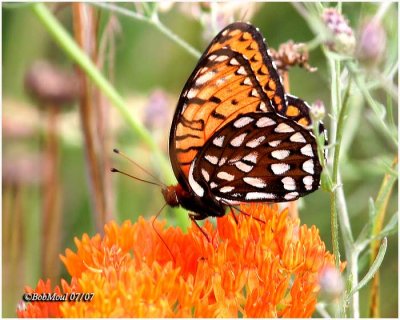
pixel 234 215
pixel 249 215
pixel 200 228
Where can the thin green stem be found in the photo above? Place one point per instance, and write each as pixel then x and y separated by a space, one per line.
pixel 336 103
pixel 65 41
pixel 155 22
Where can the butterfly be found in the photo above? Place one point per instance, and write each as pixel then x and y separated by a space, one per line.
pixel 236 136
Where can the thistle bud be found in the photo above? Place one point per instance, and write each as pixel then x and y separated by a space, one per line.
pixel 371 43
pixel 342 38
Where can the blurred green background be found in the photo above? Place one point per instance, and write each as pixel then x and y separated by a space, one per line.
pixel 149 70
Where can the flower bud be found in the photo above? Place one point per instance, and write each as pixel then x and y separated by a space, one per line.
pixel 342 38
pixel 371 43
pixel 331 283
pixel 317 111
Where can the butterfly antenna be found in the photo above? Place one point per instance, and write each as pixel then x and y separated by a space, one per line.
pixel 136 178
pixel 138 165
pixel 159 235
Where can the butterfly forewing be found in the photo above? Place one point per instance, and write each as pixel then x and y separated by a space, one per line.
pixel 259 157
pixel 222 87
pixel 248 41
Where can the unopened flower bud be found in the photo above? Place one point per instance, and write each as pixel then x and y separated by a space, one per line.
pixel 331 283
pixel 317 111
pixel 371 42
pixel 342 38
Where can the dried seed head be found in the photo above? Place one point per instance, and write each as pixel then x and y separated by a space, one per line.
pixel 290 54
pixel 342 38
pixel 51 85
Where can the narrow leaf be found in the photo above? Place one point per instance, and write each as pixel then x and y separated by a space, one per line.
pixel 372 271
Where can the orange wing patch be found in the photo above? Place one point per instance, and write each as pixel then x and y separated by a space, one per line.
pixel 221 89
pixel 249 43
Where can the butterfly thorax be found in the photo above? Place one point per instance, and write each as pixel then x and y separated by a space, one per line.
pixel 200 208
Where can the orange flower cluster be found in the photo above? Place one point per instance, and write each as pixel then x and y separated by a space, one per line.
pixel 247 269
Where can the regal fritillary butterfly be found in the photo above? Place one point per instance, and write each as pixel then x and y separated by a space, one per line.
pixel 236 136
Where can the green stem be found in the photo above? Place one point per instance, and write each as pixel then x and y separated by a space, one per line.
pixel 65 41
pixel 155 22
pixel 336 103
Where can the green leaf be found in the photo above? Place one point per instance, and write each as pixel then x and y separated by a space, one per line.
pixel 372 270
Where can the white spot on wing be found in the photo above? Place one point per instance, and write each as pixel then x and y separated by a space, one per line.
pixel 254 93
pixel 275 143
pixel 289 183
pixel 213 185
pixel 297 137
pixel 308 181
pixel 192 93
pixel 225 176
pixel 244 121
pixel 204 78
pixel 279 168
pixel 226 189
pixel 237 141
pixel 221 58
pixel 193 183
pixel 222 161
pixel 283 128
pixel 211 159
pixel 280 154
pixel 234 62
pixel 251 157
pixel 205 174
pixel 243 166
pixel 247 82
pixel 203 70
pixel 255 142
pixel 255 182
pixel 219 141
pixel 308 166
pixel 259 196
pixel 307 150
pixel 291 195
pixel 263 106
pixel 265 122
pixel 241 71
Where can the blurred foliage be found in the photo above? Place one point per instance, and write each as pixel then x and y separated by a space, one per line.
pixel 145 60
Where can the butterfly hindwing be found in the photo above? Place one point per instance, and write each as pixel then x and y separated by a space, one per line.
pixel 259 157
